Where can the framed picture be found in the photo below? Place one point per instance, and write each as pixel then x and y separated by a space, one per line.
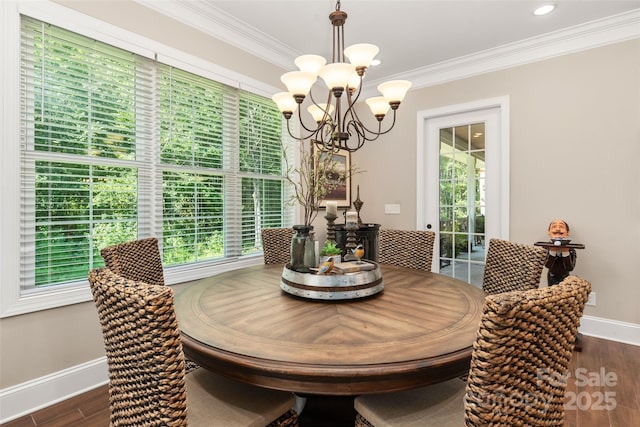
pixel 342 192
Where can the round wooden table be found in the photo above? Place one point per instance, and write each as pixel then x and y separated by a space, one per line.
pixel 418 331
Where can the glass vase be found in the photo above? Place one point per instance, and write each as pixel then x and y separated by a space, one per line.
pixel 310 251
pixel 298 247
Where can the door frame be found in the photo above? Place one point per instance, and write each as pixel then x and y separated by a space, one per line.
pixel 501 199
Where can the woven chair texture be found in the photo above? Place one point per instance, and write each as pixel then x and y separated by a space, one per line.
pixel 512 267
pixel 140 261
pixel 147 382
pixel 137 260
pixel 406 248
pixel 518 370
pixel 276 244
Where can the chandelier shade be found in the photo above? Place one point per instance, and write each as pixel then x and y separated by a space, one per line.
pixel 379 106
pixel 337 75
pixel 298 82
pixel 337 124
pixel 310 63
pixel 361 54
pixel 395 90
pixel 285 102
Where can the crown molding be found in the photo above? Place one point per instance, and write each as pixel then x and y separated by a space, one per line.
pixel 613 29
pixel 221 25
pixel 225 27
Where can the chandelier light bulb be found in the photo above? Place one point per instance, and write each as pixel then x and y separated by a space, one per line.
pixel 378 105
pixel 337 75
pixel 298 82
pixel 310 63
pixel 395 90
pixel 319 112
pixel 285 102
pixel 361 54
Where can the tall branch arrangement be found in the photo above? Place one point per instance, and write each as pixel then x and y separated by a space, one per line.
pixel 317 175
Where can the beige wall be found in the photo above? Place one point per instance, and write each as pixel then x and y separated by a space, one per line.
pixel 580 110
pixel 575 145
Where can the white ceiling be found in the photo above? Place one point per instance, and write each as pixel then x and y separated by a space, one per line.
pixel 412 34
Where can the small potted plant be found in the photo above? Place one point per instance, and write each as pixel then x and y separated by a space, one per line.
pixel 329 249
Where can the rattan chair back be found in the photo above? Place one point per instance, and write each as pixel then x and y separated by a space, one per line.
pixel 512 267
pixel 144 351
pixel 519 366
pixel 147 382
pixel 137 260
pixel 276 244
pixel 406 248
pixel 521 356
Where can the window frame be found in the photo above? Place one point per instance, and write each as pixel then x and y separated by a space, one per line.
pixel 13 299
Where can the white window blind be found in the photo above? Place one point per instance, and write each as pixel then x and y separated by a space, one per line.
pixel 116 147
pixel 263 192
pixel 83 160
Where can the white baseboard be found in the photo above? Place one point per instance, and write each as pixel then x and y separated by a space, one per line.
pixel 41 392
pixel 613 330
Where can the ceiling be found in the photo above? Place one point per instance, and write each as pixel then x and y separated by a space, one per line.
pixel 411 34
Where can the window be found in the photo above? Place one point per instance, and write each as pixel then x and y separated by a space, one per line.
pixel 116 146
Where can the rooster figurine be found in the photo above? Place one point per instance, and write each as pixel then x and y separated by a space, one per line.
pixel 326 266
pixel 358 252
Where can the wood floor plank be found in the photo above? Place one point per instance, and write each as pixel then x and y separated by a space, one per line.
pixel 25 421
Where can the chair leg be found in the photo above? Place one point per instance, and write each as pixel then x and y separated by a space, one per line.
pixel 577 346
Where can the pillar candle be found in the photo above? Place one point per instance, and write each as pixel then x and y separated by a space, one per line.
pixel 332 208
pixel 352 216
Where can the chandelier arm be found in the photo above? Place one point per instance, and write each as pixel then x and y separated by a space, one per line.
pixel 366 130
pixel 327 115
pixel 311 131
pixel 300 138
pixel 351 100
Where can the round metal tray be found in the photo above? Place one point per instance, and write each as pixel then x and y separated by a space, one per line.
pixel 332 286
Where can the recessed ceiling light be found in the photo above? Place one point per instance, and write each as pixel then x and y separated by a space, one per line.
pixel 376 62
pixel 544 9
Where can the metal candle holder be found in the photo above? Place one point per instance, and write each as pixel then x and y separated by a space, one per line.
pixel 358 205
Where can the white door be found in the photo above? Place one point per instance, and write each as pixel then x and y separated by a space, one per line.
pixel 463 168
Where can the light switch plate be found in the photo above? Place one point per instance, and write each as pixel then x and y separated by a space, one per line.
pixel 393 209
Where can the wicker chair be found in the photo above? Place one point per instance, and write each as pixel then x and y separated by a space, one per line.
pixel 520 356
pixel 406 248
pixel 512 267
pixel 276 244
pixel 147 381
pixel 138 260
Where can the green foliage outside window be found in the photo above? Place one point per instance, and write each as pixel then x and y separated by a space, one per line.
pixel 108 148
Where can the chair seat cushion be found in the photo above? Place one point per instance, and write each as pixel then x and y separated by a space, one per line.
pixel 440 405
pixel 214 400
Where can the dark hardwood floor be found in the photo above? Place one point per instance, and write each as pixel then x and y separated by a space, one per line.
pixel 603 390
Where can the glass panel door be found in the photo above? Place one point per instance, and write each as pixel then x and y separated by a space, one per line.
pixel 462 201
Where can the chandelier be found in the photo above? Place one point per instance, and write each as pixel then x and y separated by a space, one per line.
pixel 337 125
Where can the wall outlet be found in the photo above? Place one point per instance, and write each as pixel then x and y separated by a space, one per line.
pixel 392 209
pixel 592 299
